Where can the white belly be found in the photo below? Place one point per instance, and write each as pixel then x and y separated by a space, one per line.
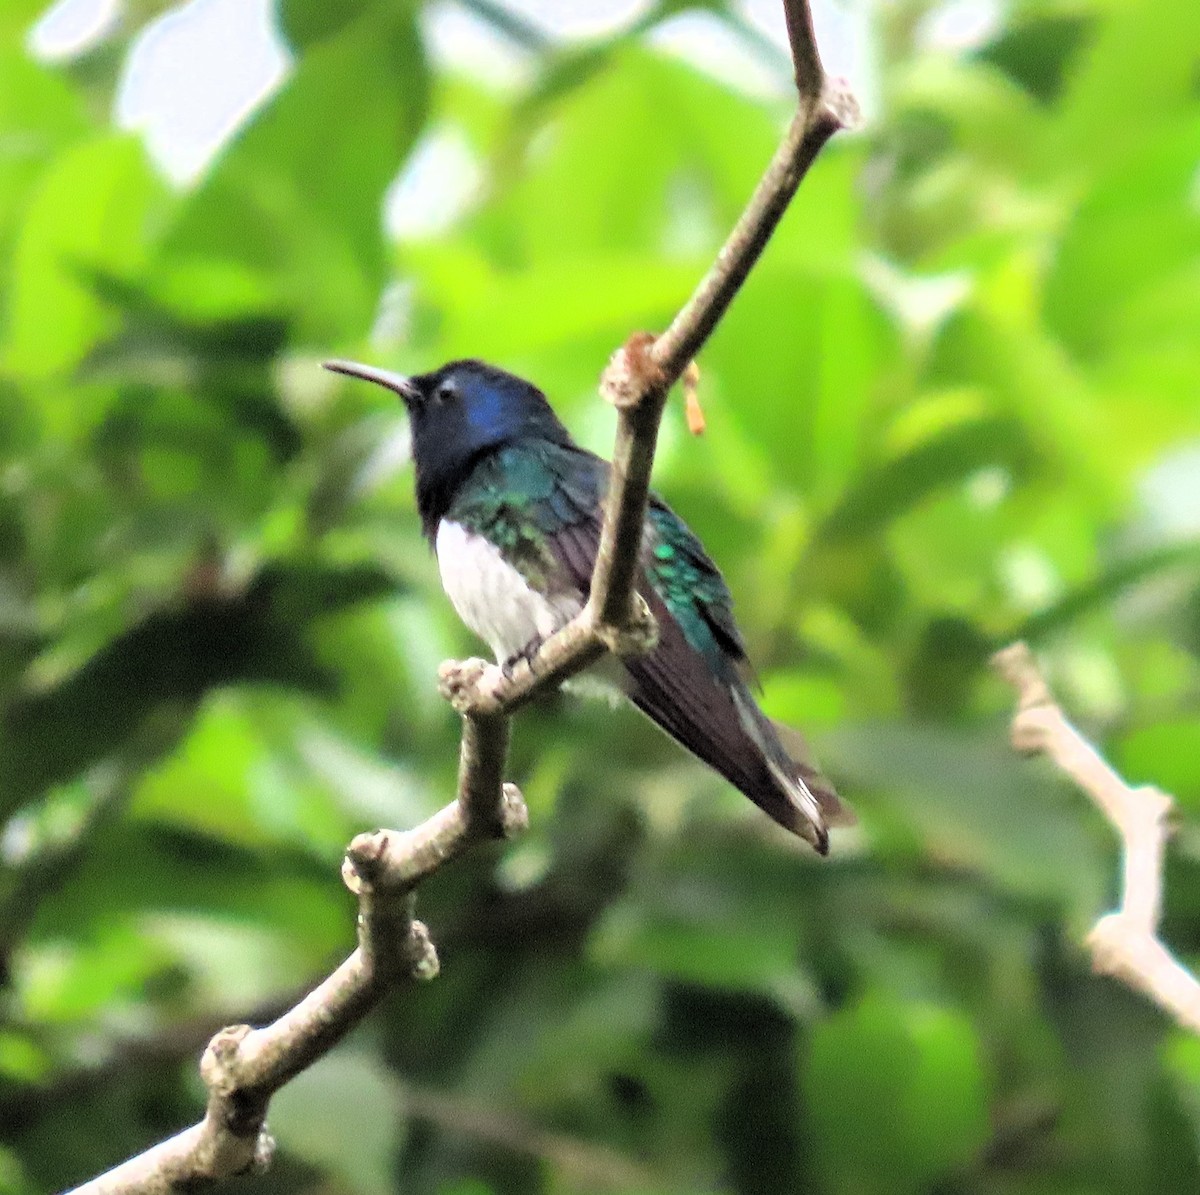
pixel 492 598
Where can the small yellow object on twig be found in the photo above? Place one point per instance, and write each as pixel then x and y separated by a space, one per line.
pixel 691 398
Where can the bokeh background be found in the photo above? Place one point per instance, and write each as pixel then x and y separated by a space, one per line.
pixel 958 403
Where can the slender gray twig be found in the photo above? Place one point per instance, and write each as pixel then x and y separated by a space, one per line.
pixel 803 40
pixel 1124 943
pixel 243 1067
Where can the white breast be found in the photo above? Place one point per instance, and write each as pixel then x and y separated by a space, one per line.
pixel 491 597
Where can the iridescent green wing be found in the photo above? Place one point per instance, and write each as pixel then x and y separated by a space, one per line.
pixel 539 504
pixel 691 587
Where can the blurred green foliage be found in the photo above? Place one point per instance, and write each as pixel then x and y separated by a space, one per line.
pixel 956 403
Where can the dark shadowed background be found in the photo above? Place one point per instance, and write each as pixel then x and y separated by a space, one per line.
pixel 958 403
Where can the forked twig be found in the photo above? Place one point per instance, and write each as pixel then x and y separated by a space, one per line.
pixel 1124 943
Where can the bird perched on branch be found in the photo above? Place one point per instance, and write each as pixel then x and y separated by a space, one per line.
pixel 513 508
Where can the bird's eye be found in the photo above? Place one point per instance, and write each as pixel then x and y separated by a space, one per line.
pixel 445 392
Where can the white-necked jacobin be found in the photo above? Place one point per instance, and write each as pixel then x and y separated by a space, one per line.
pixel 513 508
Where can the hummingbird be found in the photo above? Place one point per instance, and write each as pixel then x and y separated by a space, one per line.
pixel 513 508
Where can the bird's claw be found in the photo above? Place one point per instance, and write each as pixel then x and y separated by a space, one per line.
pixel 523 656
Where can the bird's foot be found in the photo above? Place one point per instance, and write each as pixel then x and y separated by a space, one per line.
pixel 524 656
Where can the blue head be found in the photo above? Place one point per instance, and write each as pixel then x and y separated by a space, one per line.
pixel 460 413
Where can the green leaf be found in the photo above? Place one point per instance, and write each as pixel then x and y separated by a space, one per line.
pixel 90 212
pixel 717 947
pixel 798 359
pixel 186 878
pixel 237 777
pixel 996 346
pixel 1119 579
pixel 345 1115
pixel 144 682
pixel 504 315
pixel 977 806
pixel 17 18
pixel 1143 60
pixel 897 1096
pixel 1134 236
pixel 995 125
pixel 38 115
pixel 297 197
pixel 948 457
pixel 692 916
pixel 1164 755
pixel 1038 49
pixel 689 163
pixel 306 22
pixel 65 980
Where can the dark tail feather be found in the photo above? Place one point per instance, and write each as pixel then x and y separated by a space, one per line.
pixel 722 743
pixel 724 727
pixel 835 811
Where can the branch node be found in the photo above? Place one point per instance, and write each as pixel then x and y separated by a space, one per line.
pixel 459 682
pixel 366 860
pixel 514 813
pixel 1016 665
pixel 1032 730
pixel 841 104
pixel 638 635
pixel 422 953
pixel 1109 944
pixel 632 373
pixel 1159 805
pixel 264 1153
pixel 218 1066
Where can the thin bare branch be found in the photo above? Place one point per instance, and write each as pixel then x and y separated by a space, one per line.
pixel 242 1066
pixel 833 108
pixel 1124 943
pixel 398 860
pixel 805 56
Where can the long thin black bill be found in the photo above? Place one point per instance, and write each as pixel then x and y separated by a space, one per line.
pixel 396 382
